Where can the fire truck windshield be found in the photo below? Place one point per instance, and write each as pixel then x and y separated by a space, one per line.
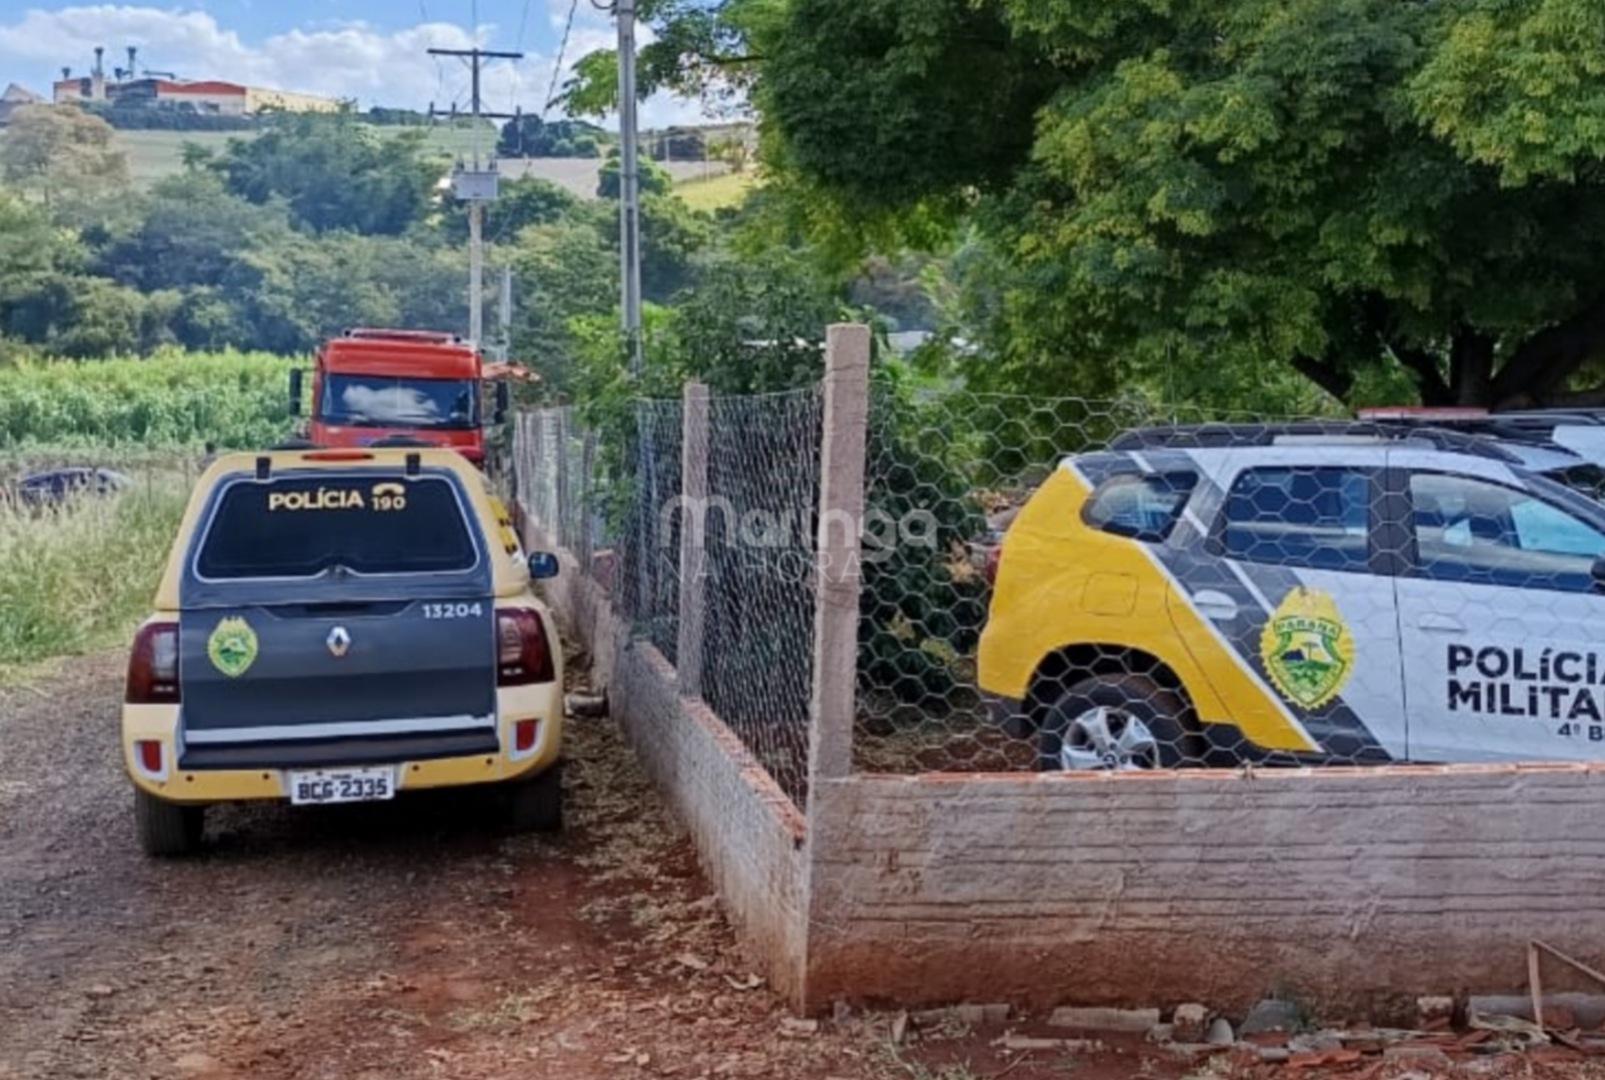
pixel 384 401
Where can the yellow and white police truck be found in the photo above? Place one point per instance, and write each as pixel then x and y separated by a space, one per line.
pixel 342 625
pixel 1354 592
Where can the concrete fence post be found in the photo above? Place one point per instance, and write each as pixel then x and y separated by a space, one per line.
pixel 587 493
pixel 536 456
pixel 560 526
pixel 841 512
pixel 693 553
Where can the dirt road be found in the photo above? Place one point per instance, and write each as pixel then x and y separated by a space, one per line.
pixel 412 939
pixel 397 940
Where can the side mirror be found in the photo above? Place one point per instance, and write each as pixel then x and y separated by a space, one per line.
pixel 504 398
pixel 295 391
pixel 542 564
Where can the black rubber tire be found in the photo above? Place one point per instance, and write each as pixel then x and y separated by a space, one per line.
pixel 537 805
pixel 167 829
pixel 1162 710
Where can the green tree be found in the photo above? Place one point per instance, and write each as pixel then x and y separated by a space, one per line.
pixel 296 293
pixel 79 315
pixel 1189 194
pixel 521 203
pixel 335 172
pixel 655 180
pixel 191 232
pixel 532 137
pixel 61 153
pixel 568 267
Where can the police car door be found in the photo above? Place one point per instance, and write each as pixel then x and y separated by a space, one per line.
pixel 1314 612
pixel 1504 628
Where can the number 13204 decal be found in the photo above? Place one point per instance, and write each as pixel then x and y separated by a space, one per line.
pixel 461 610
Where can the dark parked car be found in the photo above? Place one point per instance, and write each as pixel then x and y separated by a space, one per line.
pixel 58 485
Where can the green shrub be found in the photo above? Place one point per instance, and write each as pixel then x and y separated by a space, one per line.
pixel 172 399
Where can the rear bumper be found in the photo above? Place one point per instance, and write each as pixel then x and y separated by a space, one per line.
pixel 191 776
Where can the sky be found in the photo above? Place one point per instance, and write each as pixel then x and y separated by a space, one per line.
pixel 370 50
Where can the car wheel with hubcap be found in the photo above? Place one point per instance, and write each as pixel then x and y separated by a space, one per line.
pixel 1116 723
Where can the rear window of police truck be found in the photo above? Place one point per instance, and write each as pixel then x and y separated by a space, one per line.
pixel 302 526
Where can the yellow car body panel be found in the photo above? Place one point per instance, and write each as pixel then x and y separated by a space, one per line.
pixel 543 702
pixel 1062 583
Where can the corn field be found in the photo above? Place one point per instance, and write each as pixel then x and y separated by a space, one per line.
pixel 172 399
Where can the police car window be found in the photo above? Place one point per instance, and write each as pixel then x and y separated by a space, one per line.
pixel 1300 516
pixel 1480 532
pixel 1141 507
pixel 303 526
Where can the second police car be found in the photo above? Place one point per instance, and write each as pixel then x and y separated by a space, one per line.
pixel 1361 592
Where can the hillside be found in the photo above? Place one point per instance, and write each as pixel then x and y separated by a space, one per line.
pixel 155 154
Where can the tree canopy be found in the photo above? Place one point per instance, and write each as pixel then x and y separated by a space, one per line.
pixel 61 153
pixel 1170 189
pixel 335 172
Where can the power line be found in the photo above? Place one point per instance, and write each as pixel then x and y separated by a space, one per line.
pixel 557 65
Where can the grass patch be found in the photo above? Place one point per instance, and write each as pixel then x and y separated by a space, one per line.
pixel 82 575
pixel 155 154
pixel 715 192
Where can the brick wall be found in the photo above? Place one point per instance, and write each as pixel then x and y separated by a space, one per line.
pixel 1352 888
pixel 1355 889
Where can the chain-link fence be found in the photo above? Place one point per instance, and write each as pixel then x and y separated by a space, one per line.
pixel 555 477
pixel 1052 584
pixel 648 589
pixel 763 493
pixel 1066 584
pixel 754 528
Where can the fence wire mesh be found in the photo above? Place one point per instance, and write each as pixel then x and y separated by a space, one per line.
pixel 1066 584
pixel 555 478
pixel 649 565
pixel 758 521
pixel 756 529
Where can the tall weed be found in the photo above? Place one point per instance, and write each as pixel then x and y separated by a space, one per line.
pixel 81 575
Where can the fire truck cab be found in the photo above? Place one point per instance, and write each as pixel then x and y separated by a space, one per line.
pixel 379 386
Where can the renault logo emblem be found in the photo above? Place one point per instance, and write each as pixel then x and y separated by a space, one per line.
pixel 338 641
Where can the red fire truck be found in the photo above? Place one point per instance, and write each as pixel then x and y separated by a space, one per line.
pixel 374 386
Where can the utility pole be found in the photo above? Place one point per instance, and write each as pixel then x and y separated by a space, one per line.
pixel 504 316
pixel 629 184
pixel 476 185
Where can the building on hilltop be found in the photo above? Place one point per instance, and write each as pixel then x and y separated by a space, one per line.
pixel 165 89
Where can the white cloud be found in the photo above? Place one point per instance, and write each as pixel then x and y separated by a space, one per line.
pixel 338 59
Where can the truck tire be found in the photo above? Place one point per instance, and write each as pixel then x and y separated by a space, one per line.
pixel 1115 706
pixel 537 805
pixel 165 828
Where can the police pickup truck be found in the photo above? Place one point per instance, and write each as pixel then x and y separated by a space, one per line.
pixel 342 625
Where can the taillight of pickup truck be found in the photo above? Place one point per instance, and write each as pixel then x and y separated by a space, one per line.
pixel 523 654
pixel 153 666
